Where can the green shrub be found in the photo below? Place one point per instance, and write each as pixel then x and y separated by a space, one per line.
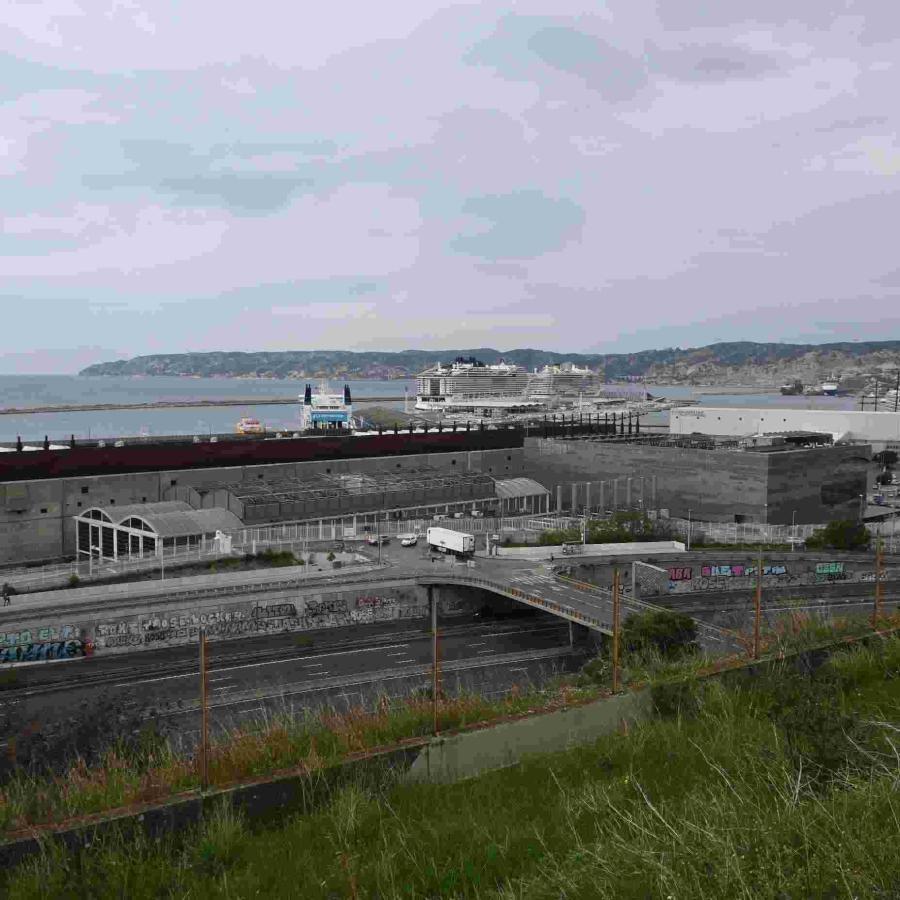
pixel 670 634
pixel 840 535
pixel 277 558
pixel 74 581
pixel 330 556
pixel 676 698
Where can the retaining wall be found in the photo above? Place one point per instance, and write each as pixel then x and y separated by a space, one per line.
pixel 176 618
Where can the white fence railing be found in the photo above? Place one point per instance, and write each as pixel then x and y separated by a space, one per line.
pixel 328 530
pixel 85 568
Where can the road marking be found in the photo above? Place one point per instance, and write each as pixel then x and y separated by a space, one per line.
pixel 487 651
pixel 273 662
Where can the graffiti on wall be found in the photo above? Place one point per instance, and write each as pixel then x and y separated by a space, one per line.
pixel 276 610
pixel 739 571
pixel 35 652
pixel 680 573
pixel 46 634
pixel 718 577
pixel 370 602
pixel 328 612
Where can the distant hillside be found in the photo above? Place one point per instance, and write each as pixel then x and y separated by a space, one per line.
pixel 737 362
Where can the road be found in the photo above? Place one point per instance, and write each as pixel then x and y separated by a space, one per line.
pixel 344 666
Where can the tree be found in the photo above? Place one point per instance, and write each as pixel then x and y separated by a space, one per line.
pixel 670 633
pixel 886 458
pixel 884 478
pixel 840 535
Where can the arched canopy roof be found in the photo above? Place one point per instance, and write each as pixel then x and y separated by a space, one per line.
pixel 170 518
pixel 513 488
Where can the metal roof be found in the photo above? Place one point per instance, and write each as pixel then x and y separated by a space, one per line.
pixel 175 518
pixel 126 511
pixel 322 486
pixel 510 488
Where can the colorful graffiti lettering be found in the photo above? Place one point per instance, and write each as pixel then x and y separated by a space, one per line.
pixel 44 651
pixel 830 568
pixel 739 571
pixel 47 634
pixel 680 573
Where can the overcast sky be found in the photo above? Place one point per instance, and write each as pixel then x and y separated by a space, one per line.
pixel 569 175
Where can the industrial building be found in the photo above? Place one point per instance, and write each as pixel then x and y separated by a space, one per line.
pixel 319 495
pixel 780 480
pixel 337 502
pixel 144 529
pixel 880 429
pixel 38 516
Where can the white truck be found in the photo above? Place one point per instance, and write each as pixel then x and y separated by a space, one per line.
pixel 445 540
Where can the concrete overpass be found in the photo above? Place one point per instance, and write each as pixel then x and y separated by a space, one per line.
pixel 150 615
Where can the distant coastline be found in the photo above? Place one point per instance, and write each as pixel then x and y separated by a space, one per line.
pixel 741 365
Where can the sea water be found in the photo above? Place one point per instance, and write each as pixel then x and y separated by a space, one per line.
pixel 61 390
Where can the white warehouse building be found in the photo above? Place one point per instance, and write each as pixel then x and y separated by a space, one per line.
pixel 880 429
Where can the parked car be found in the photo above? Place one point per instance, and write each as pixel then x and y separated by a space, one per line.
pixel 374 539
pixel 438 517
pixel 409 540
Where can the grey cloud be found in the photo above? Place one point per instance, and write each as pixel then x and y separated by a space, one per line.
pixel 522 225
pixel 503 270
pixel 852 124
pixel 873 22
pixel 187 174
pixel 525 47
pixel 615 74
pixel 711 63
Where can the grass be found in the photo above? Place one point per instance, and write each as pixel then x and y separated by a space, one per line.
pixel 150 770
pixel 718 797
pixel 155 772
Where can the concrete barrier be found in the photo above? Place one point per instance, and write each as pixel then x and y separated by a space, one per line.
pixel 632 548
pixel 471 753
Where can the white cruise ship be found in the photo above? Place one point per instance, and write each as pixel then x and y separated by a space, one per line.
pixel 564 379
pixel 469 385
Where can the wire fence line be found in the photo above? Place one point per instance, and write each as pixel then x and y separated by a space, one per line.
pixel 297 535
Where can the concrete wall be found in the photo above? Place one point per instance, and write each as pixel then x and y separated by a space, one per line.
pixel 713 485
pixel 812 486
pixel 36 516
pixel 882 429
pixel 470 753
pixel 115 618
pixel 816 485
